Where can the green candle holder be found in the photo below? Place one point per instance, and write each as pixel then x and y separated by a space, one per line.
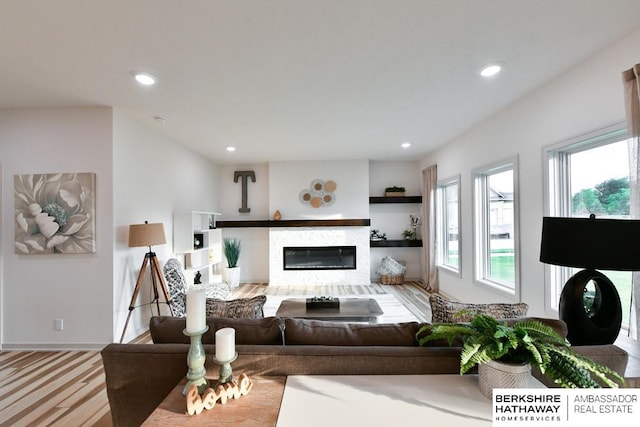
pixel 226 374
pixel 195 361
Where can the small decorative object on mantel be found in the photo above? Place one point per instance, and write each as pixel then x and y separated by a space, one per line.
pixel 196 403
pixel 277 216
pixel 524 342
pixel 376 236
pixel 323 302
pixel 394 191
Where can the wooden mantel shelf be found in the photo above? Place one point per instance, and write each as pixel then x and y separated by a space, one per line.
pixel 295 223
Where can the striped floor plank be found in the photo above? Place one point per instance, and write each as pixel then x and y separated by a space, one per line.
pixel 51 388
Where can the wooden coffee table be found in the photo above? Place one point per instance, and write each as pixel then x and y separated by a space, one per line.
pixel 351 310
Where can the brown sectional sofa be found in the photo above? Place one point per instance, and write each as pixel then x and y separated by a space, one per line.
pixel 139 376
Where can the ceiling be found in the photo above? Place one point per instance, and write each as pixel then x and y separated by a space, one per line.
pixel 298 79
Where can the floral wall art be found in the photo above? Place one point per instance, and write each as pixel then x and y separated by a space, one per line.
pixel 55 213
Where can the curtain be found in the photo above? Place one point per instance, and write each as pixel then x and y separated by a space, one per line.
pixel 632 106
pixel 429 186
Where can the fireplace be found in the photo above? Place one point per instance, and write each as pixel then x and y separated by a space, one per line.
pixel 319 257
pixel 328 245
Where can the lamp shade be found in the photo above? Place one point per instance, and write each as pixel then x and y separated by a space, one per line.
pixel 146 235
pixel 604 244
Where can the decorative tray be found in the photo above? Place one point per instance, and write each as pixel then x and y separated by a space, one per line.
pixel 322 302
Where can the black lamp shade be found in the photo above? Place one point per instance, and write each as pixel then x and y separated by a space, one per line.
pixel 603 244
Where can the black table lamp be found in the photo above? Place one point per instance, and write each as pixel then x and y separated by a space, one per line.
pixel 590 243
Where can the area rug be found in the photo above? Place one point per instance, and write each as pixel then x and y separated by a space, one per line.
pixel 394 311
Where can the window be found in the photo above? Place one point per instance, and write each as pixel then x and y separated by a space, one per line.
pixel 448 224
pixel 588 175
pixel 495 212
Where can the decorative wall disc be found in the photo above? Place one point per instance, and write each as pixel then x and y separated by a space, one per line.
pixel 330 186
pixel 317 185
pixel 328 199
pixel 319 193
pixel 305 196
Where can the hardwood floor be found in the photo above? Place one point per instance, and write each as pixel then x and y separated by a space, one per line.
pixel 66 388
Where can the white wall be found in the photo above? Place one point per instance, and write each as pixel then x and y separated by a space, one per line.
pixel 277 186
pixel 139 176
pixel 231 193
pixel 254 255
pixel 585 98
pixel 392 219
pixel 36 289
pixel 153 177
pixel 288 179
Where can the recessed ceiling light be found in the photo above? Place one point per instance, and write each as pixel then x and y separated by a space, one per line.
pixel 143 78
pixel 491 69
pixel 230 148
pixel 405 145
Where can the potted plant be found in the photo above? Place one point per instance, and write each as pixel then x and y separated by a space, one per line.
pixel 409 235
pixel 486 341
pixel 394 191
pixel 231 248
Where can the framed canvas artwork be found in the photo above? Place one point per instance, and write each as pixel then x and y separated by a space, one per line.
pixel 55 213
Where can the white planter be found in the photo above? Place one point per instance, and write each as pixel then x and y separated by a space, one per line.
pixel 231 276
pixel 502 375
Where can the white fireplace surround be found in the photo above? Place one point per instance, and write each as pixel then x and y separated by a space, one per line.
pixel 319 236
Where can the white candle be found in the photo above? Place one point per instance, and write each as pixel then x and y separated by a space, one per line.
pixel 196 319
pixel 225 344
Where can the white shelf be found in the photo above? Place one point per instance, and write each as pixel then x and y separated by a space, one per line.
pixel 204 257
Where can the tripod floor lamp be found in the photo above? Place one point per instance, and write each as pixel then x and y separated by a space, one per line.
pixel 147 235
pixel 589 303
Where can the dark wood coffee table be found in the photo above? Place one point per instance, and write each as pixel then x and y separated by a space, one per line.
pixel 351 310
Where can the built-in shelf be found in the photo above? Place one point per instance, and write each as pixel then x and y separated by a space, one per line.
pixel 395 243
pixel 295 223
pixel 404 199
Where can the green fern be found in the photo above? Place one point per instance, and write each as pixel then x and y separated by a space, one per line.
pixel 528 341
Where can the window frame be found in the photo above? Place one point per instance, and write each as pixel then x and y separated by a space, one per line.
pixel 557 193
pixel 481 228
pixel 442 203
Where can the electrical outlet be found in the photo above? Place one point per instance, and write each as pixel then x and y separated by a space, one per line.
pixel 59 324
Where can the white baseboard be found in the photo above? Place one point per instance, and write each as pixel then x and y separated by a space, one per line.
pixel 54 347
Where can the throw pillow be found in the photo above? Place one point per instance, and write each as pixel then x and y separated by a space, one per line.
pixel 237 308
pixel 391 267
pixel 177 287
pixel 445 311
